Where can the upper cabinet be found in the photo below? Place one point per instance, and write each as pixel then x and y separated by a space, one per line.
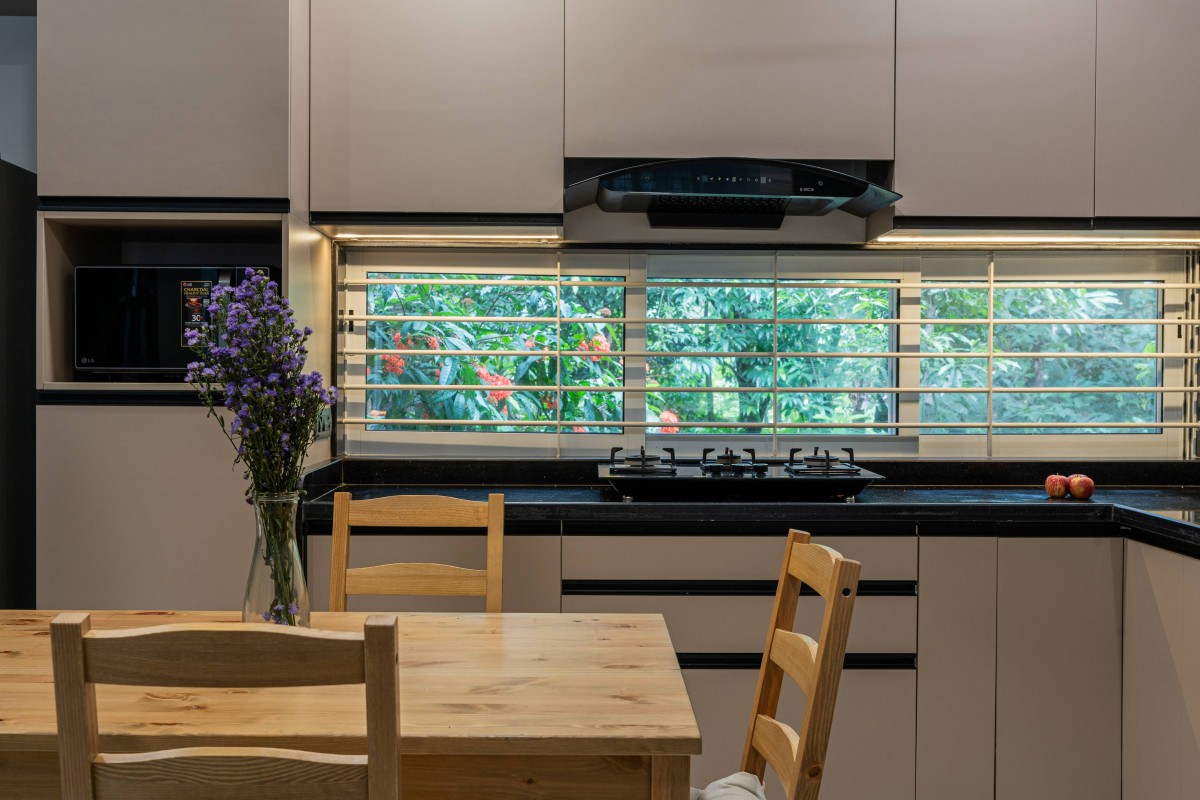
pixel 163 98
pixel 1147 109
pixel 449 106
pixel 995 107
pixel 803 79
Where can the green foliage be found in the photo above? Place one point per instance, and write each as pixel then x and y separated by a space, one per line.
pixel 1042 371
pixel 515 297
pixel 739 390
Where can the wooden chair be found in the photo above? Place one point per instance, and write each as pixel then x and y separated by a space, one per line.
pixel 224 656
pixel 816 666
pixel 416 511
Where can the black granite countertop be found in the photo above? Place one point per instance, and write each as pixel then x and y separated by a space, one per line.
pixel 1166 517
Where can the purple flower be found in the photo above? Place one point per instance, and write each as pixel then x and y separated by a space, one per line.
pixel 266 616
pixel 293 609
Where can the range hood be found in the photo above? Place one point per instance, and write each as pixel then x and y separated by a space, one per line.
pixel 727 193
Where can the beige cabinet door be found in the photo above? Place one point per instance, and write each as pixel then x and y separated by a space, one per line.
pixel 1058 668
pixel 163 98
pixel 871 744
pixel 803 79
pixel 139 507
pixel 995 107
pixel 1161 719
pixel 453 106
pixel 956 678
pixel 1147 108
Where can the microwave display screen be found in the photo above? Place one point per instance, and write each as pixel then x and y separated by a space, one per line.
pixel 133 319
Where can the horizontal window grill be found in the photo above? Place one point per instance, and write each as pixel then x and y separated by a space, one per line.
pixel 573 355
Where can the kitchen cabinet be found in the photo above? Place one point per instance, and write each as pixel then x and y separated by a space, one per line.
pixel 1058 668
pixel 716 593
pixel 871 743
pixel 956 681
pixel 138 508
pixel 802 79
pixel 995 107
pixel 453 106
pixel 531 569
pixel 1161 686
pixel 1147 109
pixel 163 98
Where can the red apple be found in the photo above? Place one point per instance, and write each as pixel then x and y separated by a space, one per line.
pixel 1056 485
pixel 1080 486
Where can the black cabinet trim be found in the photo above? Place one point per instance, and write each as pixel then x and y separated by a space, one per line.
pixel 237 205
pixel 754 660
pixel 721 588
pixel 414 218
pixel 120 397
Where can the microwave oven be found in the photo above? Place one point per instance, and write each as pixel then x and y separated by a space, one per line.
pixel 133 319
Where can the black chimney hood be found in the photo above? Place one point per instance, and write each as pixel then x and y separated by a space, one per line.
pixel 727 192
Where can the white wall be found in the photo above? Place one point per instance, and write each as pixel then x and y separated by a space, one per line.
pixel 18 91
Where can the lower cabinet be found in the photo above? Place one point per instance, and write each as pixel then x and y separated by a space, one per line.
pixel 716 594
pixel 1020 668
pixel 1161 719
pixel 871 746
pixel 1058 668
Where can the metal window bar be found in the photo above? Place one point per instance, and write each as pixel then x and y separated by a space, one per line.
pixel 1190 321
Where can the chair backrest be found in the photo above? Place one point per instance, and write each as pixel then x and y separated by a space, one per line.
pixel 416 511
pixel 224 656
pixel 816 666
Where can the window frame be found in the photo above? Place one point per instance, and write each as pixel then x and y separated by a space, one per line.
pixel 909 269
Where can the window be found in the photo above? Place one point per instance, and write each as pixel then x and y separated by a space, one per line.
pixel 512 353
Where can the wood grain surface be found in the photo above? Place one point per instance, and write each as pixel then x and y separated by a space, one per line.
pixel 537 685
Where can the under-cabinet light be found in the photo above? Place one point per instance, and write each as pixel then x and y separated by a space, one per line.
pixel 443 234
pixel 464 237
pixel 1188 239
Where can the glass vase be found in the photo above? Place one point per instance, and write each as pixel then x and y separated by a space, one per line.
pixel 276 591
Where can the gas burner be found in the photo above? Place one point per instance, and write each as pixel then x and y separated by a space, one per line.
pixel 730 463
pixel 822 463
pixel 641 463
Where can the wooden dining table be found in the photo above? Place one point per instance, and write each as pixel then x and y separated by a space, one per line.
pixel 539 706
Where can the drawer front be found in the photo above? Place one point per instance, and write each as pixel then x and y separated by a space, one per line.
pixel 725 624
pixel 872 744
pixel 723 557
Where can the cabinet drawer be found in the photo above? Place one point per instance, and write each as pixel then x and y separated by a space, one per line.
pixel 872 743
pixel 735 624
pixel 723 557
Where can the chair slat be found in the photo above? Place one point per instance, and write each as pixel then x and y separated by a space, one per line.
pixel 779 744
pixel 796 654
pixel 198 773
pixel 416 579
pixel 197 654
pixel 813 564
pixel 419 511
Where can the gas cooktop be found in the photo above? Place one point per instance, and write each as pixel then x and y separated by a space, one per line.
pixel 728 475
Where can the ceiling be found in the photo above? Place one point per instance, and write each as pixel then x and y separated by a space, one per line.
pixel 18 8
